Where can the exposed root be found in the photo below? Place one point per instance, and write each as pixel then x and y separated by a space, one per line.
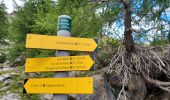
pixel 150 61
pixel 162 85
pixel 122 94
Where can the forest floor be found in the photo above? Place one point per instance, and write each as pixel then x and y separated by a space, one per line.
pixel 11 84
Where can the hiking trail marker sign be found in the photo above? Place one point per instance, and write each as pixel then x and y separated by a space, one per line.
pixel 60 43
pixel 78 85
pixel 64 63
pixel 61 84
pixel 82 85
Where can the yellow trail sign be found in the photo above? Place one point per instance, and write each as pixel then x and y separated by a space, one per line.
pixel 64 63
pixel 82 85
pixel 60 43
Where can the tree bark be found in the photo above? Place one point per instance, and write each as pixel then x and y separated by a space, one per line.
pixel 128 39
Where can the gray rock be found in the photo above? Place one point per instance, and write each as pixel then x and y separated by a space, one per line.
pixel 5 69
pixel 5 77
pixel 136 88
pixel 5 88
pixel 7 82
pixel 46 97
pixel 7 92
pixel 17 59
pixel 11 96
pixel 6 64
pixel 14 74
pixel 32 74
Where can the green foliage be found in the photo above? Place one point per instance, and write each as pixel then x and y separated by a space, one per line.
pixel 30 19
pixel 3 32
pixel 107 46
pixel 3 24
pixel 2 57
pixel 85 21
pixel 88 20
pixel 36 16
pixel 17 85
pixel 156 42
pixel 40 17
pixel 17 50
pixel 109 41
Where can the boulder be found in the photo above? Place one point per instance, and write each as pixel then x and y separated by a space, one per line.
pixel 4 88
pixel 5 77
pixel 136 88
pixel 11 96
pixel 46 97
pixel 7 82
pixel 5 69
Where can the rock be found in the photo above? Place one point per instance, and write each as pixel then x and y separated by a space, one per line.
pixel 100 91
pixel 8 92
pixel 136 88
pixel 14 74
pixel 32 74
pixel 6 64
pixel 72 74
pixel 46 97
pixel 5 88
pixel 1 65
pixel 5 69
pixel 11 96
pixel 17 59
pixel 7 82
pixel 5 77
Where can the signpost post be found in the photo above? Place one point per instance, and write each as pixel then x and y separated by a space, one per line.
pixel 64 29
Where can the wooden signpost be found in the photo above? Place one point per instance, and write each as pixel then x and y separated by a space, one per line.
pixel 60 43
pixel 63 63
pixel 61 84
pixel 82 85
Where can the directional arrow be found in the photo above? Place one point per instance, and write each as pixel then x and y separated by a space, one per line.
pixel 60 43
pixel 59 85
pixel 64 63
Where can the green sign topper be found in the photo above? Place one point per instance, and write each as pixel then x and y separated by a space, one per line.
pixel 64 23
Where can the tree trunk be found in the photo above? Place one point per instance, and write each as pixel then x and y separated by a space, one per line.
pixel 128 39
pixel 136 86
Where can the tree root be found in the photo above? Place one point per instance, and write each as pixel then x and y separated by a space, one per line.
pixel 151 61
